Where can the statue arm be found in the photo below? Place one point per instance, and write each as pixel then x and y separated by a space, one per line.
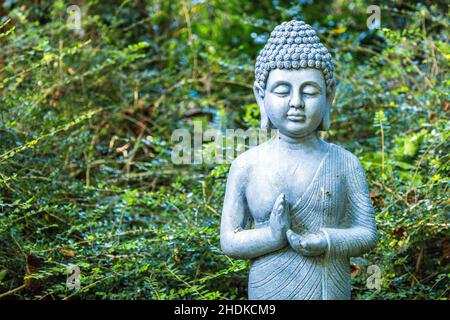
pixel 361 236
pixel 235 240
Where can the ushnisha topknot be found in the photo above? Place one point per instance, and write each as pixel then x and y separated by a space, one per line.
pixel 294 45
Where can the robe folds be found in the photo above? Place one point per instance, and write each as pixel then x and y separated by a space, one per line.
pixel 337 204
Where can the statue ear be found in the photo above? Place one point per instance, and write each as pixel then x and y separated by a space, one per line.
pixel 266 124
pixel 326 120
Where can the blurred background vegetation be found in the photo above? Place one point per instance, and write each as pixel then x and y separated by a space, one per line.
pixel 86 119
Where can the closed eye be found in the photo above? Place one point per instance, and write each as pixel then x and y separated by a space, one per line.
pixel 281 90
pixel 310 91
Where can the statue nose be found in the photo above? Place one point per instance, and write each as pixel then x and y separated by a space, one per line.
pixel 296 102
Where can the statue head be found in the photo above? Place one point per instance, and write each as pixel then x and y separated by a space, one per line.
pixel 294 85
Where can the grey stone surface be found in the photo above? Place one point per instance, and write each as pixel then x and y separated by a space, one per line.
pixel 307 200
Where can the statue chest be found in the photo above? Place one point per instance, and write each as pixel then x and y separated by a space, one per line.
pixel 315 191
pixel 267 181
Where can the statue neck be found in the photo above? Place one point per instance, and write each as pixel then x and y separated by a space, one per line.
pixel 308 142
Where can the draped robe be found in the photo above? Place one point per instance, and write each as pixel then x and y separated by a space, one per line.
pixel 337 204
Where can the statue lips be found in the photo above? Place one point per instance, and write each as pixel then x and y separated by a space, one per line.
pixel 296 116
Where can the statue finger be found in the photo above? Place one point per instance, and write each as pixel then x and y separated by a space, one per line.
pixel 289 236
pixel 310 248
pixel 280 209
pixel 304 245
pixel 277 203
pixel 280 198
pixel 294 239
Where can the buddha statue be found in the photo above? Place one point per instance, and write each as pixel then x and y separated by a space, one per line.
pixel 297 206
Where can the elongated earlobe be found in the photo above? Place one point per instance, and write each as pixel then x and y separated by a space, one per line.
pixel 326 120
pixel 266 124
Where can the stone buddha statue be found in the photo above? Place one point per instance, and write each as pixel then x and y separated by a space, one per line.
pixel 299 207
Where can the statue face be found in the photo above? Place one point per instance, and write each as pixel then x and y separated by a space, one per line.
pixel 295 100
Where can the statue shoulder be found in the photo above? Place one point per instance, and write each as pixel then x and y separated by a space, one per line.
pixel 351 161
pixel 243 164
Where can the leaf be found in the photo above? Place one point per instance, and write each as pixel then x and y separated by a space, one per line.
pixel 340 30
pixel 3 274
pixel 68 253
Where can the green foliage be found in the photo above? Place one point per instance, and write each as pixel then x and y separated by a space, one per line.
pixel 86 176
